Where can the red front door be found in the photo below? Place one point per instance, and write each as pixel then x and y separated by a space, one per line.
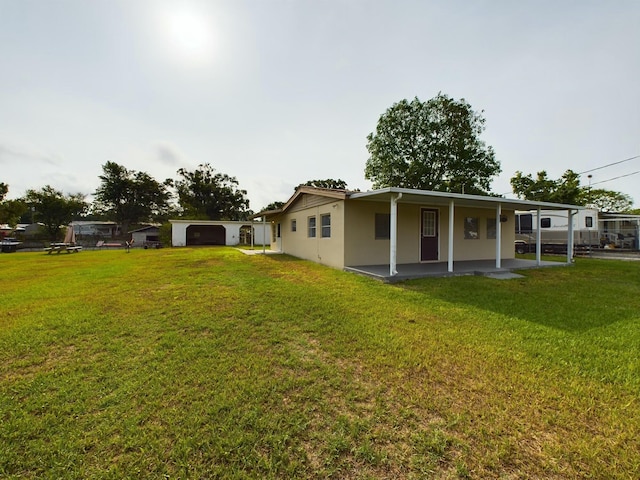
pixel 429 235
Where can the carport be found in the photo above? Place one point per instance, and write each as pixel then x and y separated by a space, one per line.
pixel 206 235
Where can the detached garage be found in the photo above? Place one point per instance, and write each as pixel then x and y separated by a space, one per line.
pixel 206 235
pixel 187 233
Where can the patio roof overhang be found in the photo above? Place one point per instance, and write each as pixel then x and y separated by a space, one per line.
pixel 395 195
pixel 410 195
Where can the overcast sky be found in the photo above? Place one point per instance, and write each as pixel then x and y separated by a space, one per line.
pixel 278 92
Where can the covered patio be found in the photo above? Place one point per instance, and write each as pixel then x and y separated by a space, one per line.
pixel 485 268
pixel 451 202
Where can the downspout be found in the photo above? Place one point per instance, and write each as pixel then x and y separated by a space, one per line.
pixel 498 236
pixel 538 238
pixel 451 230
pixel 393 234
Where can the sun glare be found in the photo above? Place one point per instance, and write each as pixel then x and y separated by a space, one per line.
pixel 190 34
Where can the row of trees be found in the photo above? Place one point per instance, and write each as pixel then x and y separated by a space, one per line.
pixel 567 189
pixel 131 197
pixel 433 145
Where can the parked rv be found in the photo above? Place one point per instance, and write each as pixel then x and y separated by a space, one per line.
pixel 554 230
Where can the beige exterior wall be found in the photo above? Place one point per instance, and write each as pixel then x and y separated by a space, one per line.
pixel 327 251
pixel 361 247
pixel 482 248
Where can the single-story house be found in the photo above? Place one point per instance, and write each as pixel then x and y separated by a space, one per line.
pixel 394 229
pixel 218 232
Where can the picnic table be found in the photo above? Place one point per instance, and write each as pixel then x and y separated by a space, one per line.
pixel 63 247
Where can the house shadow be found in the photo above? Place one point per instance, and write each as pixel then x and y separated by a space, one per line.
pixel 552 299
pixel 559 298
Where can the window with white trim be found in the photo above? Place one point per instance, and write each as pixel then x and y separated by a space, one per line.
pixel 311 227
pixel 325 223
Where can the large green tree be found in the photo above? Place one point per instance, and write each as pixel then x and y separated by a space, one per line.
pixel 207 194
pixel 54 209
pixel 432 145
pixel 129 197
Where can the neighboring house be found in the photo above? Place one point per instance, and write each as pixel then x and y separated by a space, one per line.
pixel 148 236
pixel 397 226
pixel 30 229
pixel 5 230
pixel 620 230
pixel 218 232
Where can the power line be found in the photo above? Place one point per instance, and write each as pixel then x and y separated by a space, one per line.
pixel 600 168
pixel 615 178
pixel 610 165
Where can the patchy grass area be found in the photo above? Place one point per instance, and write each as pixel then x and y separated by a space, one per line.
pixel 208 363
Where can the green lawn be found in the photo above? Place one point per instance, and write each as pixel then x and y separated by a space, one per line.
pixel 207 363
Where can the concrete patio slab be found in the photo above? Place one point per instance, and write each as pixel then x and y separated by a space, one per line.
pixel 440 269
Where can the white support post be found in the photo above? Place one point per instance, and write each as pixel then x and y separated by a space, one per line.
pixel 539 238
pixel 393 235
pixel 264 233
pixel 451 230
pixel 569 236
pixel 498 236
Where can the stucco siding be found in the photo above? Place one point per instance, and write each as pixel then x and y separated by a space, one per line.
pixel 362 248
pixel 325 250
pixel 482 247
pixel 231 231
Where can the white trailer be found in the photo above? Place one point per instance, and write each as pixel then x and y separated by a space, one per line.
pixel 554 230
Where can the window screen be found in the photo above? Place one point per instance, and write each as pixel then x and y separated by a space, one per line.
pixel 383 226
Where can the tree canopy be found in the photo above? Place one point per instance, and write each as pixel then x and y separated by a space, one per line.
pixel 338 184
pixel 10 210
pixel 130 197
pixel 273 206
pixel 543 189
pixel 432 145
pixel 608 200
pixel 54 209
pixel 207 194
pixel 567 189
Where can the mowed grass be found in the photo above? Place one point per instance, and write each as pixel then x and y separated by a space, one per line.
pixel 207 363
